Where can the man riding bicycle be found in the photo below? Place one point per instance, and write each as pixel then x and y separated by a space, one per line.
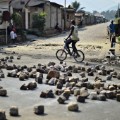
pixel 72 38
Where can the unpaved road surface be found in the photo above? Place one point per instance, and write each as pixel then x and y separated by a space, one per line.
pixel 94 42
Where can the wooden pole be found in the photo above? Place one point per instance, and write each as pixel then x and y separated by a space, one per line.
pixel 6 33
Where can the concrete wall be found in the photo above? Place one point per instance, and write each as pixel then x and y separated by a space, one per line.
pixel 53 16
pixel 48 18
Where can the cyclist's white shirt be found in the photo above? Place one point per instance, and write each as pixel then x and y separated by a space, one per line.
pixel 75 33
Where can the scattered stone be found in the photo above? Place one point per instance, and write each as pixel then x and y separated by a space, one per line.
pixel 82 74
pixel 39 110
pixel 61 100
pixel 93 96
pixel 73 79
pixel 10 60
pixel 102 67
pixel 18 57
pixel 118 76
pixel 59 85
pixel 118 97
pixel 22 77
pixel 32 85
pixel 52 81
pixel 69 73
pixel 83 69
pixel 103 92
pixel 110 94
pixel 14 111
pixel 51 63
pixel 88 70
pixel 86 63
pixel 39 78
pixel 3 92
pixel 109 77
pixel 23 87
pixel 43 95
pixel 73 107
pixel 50 94
pixel 98 84
pixel 111 88
pixel 101 97
pixel 80 99
pixel 75 70
pixel 58 92
pixel 76 92
pixel 91 74
pixel 84 92
pixel 2 75
pixel 2 115
pixel 53 74
pixel 104 72
pixel 11 57
pixel 66 94
pixel 97 67
pixel 84 79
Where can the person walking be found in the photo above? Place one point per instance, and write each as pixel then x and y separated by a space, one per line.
pixel 111 30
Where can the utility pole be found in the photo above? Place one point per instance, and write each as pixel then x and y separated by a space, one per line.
pixel 64 14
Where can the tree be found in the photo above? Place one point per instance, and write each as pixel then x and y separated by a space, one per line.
pixel 75 5
pixel 117 13
pixel 39 21
pixel 17 19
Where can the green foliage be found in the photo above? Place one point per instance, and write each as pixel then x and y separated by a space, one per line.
pixel 117 13
pixel 109 14
pixel 119 39
pixel 17 19
pixel 39 21
pixel 75 5
pixel 117 20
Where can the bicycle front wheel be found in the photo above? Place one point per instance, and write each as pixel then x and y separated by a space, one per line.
pixel 79 57
pixel 61 54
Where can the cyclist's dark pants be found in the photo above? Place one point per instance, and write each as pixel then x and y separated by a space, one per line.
pixel 69 41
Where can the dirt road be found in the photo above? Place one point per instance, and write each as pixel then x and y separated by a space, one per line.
pixel 94 42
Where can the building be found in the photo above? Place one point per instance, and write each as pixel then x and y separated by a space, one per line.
pixel 28 9
pixel 4 6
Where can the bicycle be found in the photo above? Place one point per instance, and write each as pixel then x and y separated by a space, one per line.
pixel 61 54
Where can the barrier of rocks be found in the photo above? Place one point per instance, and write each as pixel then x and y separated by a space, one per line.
pixel 68 81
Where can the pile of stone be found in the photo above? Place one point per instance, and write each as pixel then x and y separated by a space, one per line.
pixel 82 82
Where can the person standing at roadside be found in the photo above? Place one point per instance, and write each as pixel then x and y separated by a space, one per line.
pixel 13 36
pixel 111 30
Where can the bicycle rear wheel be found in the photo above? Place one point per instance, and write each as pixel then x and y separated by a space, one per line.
pixel 79 57
pixel 61 54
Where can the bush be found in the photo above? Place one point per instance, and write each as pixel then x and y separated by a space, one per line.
pixel 17 19
pixel 39 21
